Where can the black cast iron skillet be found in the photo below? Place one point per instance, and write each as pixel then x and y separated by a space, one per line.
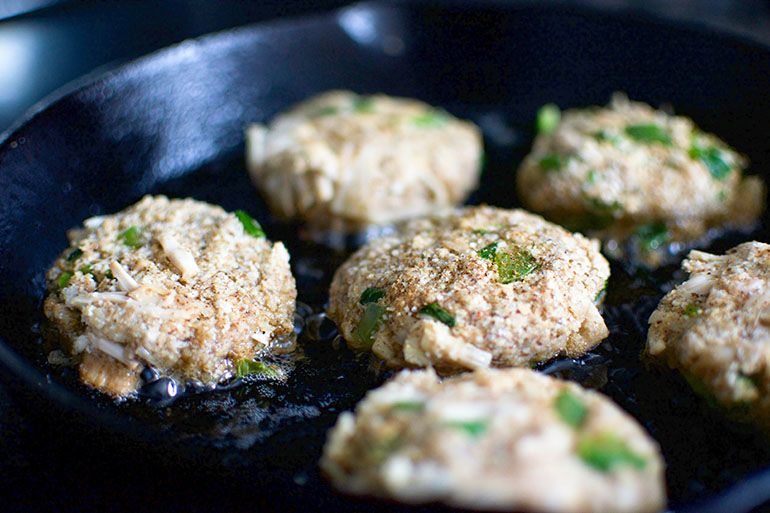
pixel 173 123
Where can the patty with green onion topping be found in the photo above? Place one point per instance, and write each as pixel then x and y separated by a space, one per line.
pixel 476 287
pixel 179 286
pixel 647 183
pixel 342 161
pixel 715 329
pixel 495 440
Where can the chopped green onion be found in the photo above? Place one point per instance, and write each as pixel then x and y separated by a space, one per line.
pixel 481 232
pixel 326 111
pixel 474 428
pixel 86 269
pixel 368 325
pixel 712 158
pixel 76 253
pixel 692 310
pixel 371 295
pixel 602 292
pixel 408 406
pixel 254 367
pixel 548 118
pixel 132 236
pixel 570 408
pixel 108 274
pixel 591 178
pixel 605 136
pixel 552 163
pixel 434 118
pixel 606 451
pixel 488 252
pixel 64 279
pixel 600 206
pixel 648 133
pixel 438 313
pixel 250 225
pixel 514 266
pixel 652 236
pixel 363 104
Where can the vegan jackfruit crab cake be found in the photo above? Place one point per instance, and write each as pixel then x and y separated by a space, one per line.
pixel 177 286
pixel 715 329
pixel 495 439
pixel 342 161
pixel 647 183
pixel 477 287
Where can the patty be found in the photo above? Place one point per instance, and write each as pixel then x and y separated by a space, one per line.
pixel 647 183
pixel 715 329
pixel 477 287
pixel 342 161
pixel 178 286
pixel 495 439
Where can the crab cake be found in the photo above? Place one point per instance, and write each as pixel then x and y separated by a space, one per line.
pixel 178 286
pixel 509 439
pixel 477 287
pixel 715 329
pixel 341 161
pixel 645 182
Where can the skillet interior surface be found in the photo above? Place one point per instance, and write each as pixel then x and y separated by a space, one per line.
pixel 172 123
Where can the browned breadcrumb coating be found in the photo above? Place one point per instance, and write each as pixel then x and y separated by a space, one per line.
pixel 614 171
pixel 715 329
pixel 342 161
pixel 495 440
pixel 174 284
pixel 549 309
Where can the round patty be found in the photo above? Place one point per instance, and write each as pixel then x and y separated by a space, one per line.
pixel 495 439
pixel 478 287
pixel 175 285
pixel 715 329
pixel 628 173
pixel 341 161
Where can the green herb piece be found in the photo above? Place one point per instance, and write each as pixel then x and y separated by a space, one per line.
pixel 692 310
pixel 514 266
pixel 76 253
pixel 371 295
pixel 408 406
pixel 652 236
pixel 368 325
pixel 548 118
pixel 434 118
pixel 605 136
pixel 132 236
pixel 570 408
pixel 597 205
pixel 591 178
pixel 481 232
pixel 88 268
pixel 254 367
pixel 439 314
pixel 552 163
pixel 488 252
pixel 63 279
pixel 648 133
pixel 108 274
pixel 606 451
pixel 474 428
pixel 712 158
pixel 250 225
pixel 326 111
pixel 363 104
pixel 603 291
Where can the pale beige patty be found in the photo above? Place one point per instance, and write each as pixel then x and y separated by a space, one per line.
pixel 715 329
pixel 478 287
pixel 628 172
pixel 343 161
pixel 177 285
pixel 495 439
